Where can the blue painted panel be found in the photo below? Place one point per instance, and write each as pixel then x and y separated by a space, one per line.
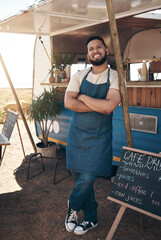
pixel 63 121
pixel 144 141
pixel 141 140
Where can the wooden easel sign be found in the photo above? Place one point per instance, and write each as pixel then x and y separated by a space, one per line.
pixel 137 185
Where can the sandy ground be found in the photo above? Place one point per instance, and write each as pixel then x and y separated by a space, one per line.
pixel 14 156
pixel 36 209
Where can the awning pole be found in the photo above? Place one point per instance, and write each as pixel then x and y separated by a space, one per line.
pixel 119 65
pixel 18 103
pixel 116 45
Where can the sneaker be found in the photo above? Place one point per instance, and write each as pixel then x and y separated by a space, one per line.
pixel 84 227
pixel 71 220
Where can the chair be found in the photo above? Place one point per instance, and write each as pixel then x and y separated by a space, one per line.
pixel 58 160
pixel 32 157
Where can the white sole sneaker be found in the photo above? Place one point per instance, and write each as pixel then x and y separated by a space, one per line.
pixel 69 226
pixel 80 231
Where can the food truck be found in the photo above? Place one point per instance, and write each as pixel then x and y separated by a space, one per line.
pixel 64 26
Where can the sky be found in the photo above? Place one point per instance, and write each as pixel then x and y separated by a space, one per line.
pixel 16 49
pixel 10 7
pixel 17 53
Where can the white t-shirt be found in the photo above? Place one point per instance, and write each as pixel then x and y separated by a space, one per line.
pixel 75 82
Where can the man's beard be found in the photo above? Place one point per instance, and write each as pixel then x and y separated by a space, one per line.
pixel 99 62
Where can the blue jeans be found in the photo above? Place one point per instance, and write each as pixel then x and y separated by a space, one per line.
pixel 83 197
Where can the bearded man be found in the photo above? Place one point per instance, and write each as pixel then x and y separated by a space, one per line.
pixel 92 94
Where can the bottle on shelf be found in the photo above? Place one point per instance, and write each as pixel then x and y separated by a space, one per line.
pixel 144 74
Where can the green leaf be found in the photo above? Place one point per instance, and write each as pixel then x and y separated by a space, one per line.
pixel 45 107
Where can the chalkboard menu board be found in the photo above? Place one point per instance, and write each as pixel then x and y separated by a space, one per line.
pixel 9 124
pixel 138 180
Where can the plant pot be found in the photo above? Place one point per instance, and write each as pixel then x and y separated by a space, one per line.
pixel 51 79
pixel 49 151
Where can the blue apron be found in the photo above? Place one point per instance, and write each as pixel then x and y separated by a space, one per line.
pixel 89 143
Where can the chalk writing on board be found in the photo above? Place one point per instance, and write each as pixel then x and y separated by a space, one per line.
pixel 136 172
pixel 136 160
pixel 138 180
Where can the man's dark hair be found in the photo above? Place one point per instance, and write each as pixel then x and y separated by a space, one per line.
pixel 96 37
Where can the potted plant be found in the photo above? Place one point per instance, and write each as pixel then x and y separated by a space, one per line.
pixel 42 109
pixel 61 61
pixel 51 72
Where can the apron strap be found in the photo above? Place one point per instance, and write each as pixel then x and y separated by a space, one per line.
pixel 87 73
pixel 108 78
